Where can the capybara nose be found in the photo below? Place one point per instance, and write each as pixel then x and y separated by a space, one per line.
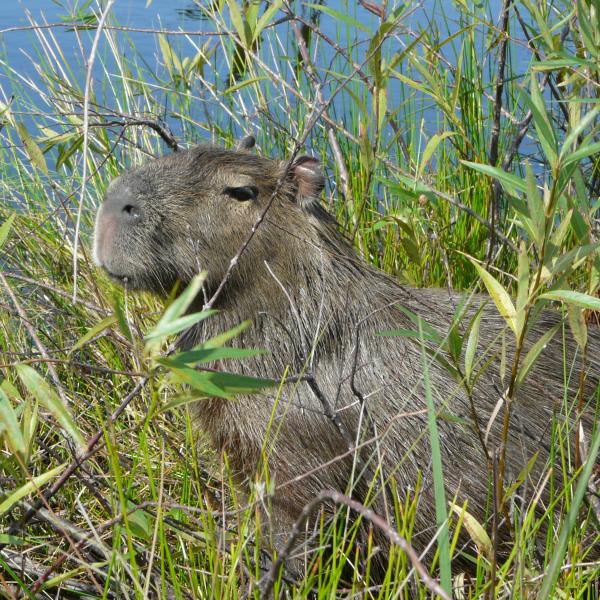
pixel 124 209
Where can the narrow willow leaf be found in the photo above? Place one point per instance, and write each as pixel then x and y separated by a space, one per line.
pixel 522 286
pixel 9 426
pixel 240 384
pixel 340 17
pixel 223 338
pixel 542 123
pixel 429 332
pixel 243 84
pixel 472 342
pixel 441 516
pixel 561 231
pixel 511 183
pixel 524 474
pixel 534 352
pixel 220 384
pixel 5 229
pixel 120 316
pixel 577 324
pixel 582 152
pixel 204 355
pixel 93 332
pixel 575 298
pixel 183 302
pixel 171 322
pixel 237 21
pixel 565 263
pixel 28 488
pixel 576 131
pixel 499 295
pixel 199 381
pixel 164 330
pixel 430 148
pixel 475 530
pixel 48 398
pixel 35 154
pixel 536 207
pixel 266 18
pixel 584 19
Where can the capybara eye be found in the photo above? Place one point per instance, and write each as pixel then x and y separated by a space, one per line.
pixel 243 193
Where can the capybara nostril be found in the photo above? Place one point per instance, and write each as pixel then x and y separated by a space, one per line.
pixel 132 211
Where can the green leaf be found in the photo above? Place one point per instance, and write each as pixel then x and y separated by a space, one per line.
pixel 542 123
pixel 535 205
pixel 581 153
pixel 237 21
pixel 9 426
pixel 266 18
pixel 475 530
pixel 341 17
pixel 47 397
pixel 511 183
pixel 5 229
pixel 120 316
pixel 534 352
pixel 203 355
pixel 219 384
pixel 572 297
pixel 563 264
pixel 577 324
pixel 30 487
pixel 584 18
pixel 499 295
pixel 164 330
pixel 93 332
pixel 578 130
pixel 199 381
pixel 241 384
pixel 172 322
pixel 523 282
pixel 428 331
pixel 243 84
pixel 139 522
pixel 430 148
pixel 472 342
pixel 183 302
pixel 558 237
pixel 441 516
pixel 36 156
pixel 223 338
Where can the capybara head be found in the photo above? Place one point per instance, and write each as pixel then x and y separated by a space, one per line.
pixel 165 221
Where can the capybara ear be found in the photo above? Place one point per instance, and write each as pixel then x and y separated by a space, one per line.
pixel 246 143
pixel 308 176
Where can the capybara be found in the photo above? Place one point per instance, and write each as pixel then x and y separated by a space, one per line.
pixel 353 414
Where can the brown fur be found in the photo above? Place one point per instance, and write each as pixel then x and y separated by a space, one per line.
pixel 311 298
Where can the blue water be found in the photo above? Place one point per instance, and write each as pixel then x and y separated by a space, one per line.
pixel 20 50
